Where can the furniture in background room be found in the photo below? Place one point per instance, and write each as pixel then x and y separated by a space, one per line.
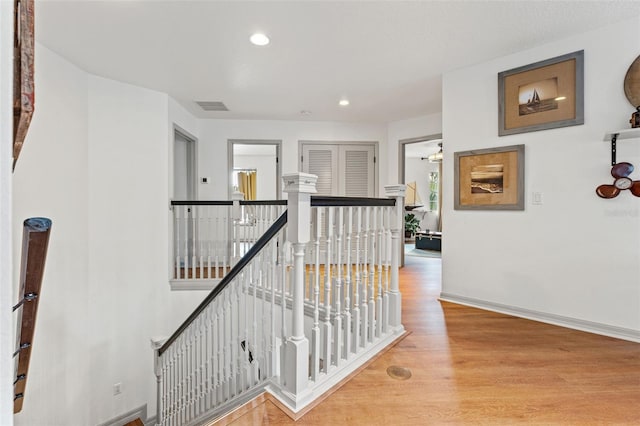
pixel 427 240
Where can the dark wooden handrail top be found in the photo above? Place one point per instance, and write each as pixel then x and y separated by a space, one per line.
pixel 228 202
pixel 316 201
pixel 244 261
pixel 330 201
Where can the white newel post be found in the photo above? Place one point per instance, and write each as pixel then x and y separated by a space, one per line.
pixel 299 187
pixel 234 240
pixel 395 298
pixel 156 344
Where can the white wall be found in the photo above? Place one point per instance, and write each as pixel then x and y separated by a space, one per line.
pixel 576 256
pixel 213 157
pixel 96 162
pixel 127 199
pixel 6 143
pixel 426 125
pixel 50 180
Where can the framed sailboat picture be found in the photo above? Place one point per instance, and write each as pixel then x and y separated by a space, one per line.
pixel 543 95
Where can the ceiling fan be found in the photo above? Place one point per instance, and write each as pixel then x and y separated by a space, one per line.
pixel 620 172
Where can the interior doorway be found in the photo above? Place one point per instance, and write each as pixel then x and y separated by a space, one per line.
pixel 254 168
pixel 420 168
pixel 184 165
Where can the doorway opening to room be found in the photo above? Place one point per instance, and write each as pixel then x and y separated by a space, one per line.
pixel 254 167
pixel 420 168
pixel 184 165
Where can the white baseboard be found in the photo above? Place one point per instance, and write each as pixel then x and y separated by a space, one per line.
pixel 562 321
pixel 123 419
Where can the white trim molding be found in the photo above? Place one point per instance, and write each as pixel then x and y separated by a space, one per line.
pixel 123 419
pixel 559 320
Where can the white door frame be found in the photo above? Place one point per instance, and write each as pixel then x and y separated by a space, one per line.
pixel 276 142
pixel 192 180
pixel 402 143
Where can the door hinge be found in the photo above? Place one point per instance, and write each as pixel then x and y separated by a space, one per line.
pixel 301 158
pixel 277 160
pixel 374 160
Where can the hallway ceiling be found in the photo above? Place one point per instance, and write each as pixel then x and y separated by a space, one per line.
pixel 386 57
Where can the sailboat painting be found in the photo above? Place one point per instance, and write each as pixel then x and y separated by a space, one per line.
pixel 412 197
pixel 538 97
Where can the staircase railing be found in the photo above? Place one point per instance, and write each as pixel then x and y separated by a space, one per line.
pixel 311 301
pixel 209 237
pixel 35 242
pixel 348 277
pixel 228 345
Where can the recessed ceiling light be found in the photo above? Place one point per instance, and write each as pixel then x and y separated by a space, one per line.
pixel 560 98
pixel 344 102
pixel 305 112
pixel 259 39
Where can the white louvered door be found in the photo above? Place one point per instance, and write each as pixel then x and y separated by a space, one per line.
pixel 356 171
pixel 345 169
pixel 322 160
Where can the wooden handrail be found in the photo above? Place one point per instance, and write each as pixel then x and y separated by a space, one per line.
pixel 316 201
pixel 228 202
pixel 35 242
pixel 330 201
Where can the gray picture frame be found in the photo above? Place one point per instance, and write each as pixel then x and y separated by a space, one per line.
pixel 508 106
pixel 510 198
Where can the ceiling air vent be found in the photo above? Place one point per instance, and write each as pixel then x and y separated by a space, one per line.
pixel 212 106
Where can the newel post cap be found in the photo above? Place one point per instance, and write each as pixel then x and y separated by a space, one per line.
pixel 397 190
pixel 300 182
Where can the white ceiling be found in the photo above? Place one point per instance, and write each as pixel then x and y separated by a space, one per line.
pixel 386 57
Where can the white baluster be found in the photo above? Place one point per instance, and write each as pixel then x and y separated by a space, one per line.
pixel 326 324
pixel 176 242
pixel 372 274
pixel 364 307
pixel 220 347
pixel 315 331
pixel 186 242
pixel 337 326
pixel 347 287
pixel 272 267
pixel 209 241
pixel 358 283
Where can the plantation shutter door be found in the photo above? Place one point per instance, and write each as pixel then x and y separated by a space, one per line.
pixel 322 160
pixel 357 170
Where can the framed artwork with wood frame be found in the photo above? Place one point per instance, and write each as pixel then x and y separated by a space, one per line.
pixel 543 95
pixel 489 179
pixel 23 64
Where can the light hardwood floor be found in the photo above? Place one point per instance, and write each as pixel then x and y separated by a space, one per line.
pixel 476 367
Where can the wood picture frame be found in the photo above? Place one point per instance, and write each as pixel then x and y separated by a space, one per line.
pixel 489 179
pixel 543 95
pixel 23 73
